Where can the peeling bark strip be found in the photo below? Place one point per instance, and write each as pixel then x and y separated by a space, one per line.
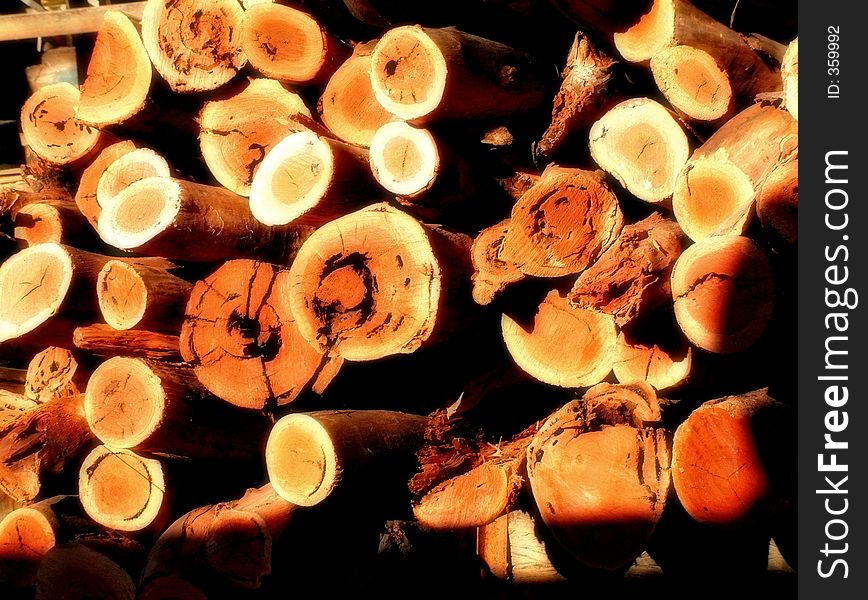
pixel 53 373
pixel 194 44
pixel 50 128
pixel 188 221
pixel 348 106
pixel 122 490
pixel 715 191
pixel 724 293
pixel 141 296
pixel 492 274
pixel 790 75
pixel 309 454
pixel 733 459
pixel 512 550
pixel 118 74
pixel 155 407
pixel 126 170
pixel 777 202
pixel 632 276
pixel 104 340
pixel 238 327
pixel 310 179
pixel 237 133
pixel 423 74
pixel 375 283
pixel 44 441
pixel 599 473
pixel 642 146
pixel 289 45
pixel 662 364
pixel 586 92
pixel 562 224
pixel 566 346
pixel 75 572
pixel 86 195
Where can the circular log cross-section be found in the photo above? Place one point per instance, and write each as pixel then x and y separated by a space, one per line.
pixel 140 296
pixel 33 285
pixel 663 365
pixel 118 75
pixel 50 128
pixel 27 534
pixel 404 159
pixel 238 327
pixel 133 166
pixel 567 346
pixel 289 45
pixel 194 44
pixel 693 82
pixel 120 489
pixel 76 572
pixel 301 459
pixel 642 146
pixel 39 224
pixel 52 373
pixel 86 194
pixel 724 293
pixel 367 285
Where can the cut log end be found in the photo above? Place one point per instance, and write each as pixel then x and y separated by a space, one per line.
pixel 472 499
pixel 648 36
pixel 121 490
pixel 75 572
pixel 491 274
pixel 122 295
pixel 643 146
pixel 51 129
pixel 238 547
pixel 663 366
pixel 38 224
pixel 86 195
pixel 724 293
pixel 26 534
pixel 140 212
pixel 33 285
pixel 512 550
pixel 777 202
pixel 301 459
pixel 118 75
pixel 404 159
pixel 693 82
pixel 51 374
pixel 133 166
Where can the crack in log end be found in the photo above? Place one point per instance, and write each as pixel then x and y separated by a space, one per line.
pixel 258 343
pixel 346 296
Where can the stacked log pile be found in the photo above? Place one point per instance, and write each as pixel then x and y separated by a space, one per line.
pixel 332 295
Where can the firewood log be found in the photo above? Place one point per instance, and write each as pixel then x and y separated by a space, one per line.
pixel 29 532
pixel 492 274
pixel 777 202
pixel 512 550
pixel 194 45
pixel 118 74
pixel 54 373
pixel 76 572
pixel 603 17
pixel 55 221
pixel 141 296
pixel 650 353
pixel 104 340
pixel 309 455
pixel 126 170
pixel 86 194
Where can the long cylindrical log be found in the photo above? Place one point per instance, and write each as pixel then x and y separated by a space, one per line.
pixel 375 283
pixel 309 179
pixel 513 551
pixel 238 325
pixel 491 273
pixel 141 296
pixel 562 224
pixel 724 293
pixel 642 145
pixel 186 221
pixel 434 74
pixel 539 349
pixel 632 276
pixel 76 572
pixel 790 75
pixel 40 443
pixel 777 202
pixel 149 406
pixel 309 454
pixel 236 133
pixel 715 191
pixel 86 194
pixel 104 340
pixel 348 106
pixel 194 45
pixel 51 130
pixel 287 44
pixel 599 471
pixel 127 169
pixel 733 459
pixel 118 75
pixel 54 373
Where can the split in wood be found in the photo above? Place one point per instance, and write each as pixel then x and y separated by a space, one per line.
pixel 141 296
pixel 29 532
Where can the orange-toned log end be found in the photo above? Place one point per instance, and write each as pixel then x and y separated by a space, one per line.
pixel 601 493
pixel 663 364
pixel 777 202
pixel 122 295
pixel 404 159
pixel 52 374
pixel 289 45
pixel 642 145
pixel 238 326
pixel 790 75
pixel 51 129
pixel 26 535
pixel 75 572
pixel 33 285
pixel 170 588
pixel 472 499
pixel 693 82
pixel 566 346
pixel 491 274
pixel 195 45
pixel 118 75
pixel 38 224
pixel 238 548
pixel 562 224
pixel 632 276
pixel 512 550
pixel 724 293
pixel 126 170
pixel 86 195
pixel 237 132
pixel 649 35
pixel 368 285
pixel 729 459
pixel 122 490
